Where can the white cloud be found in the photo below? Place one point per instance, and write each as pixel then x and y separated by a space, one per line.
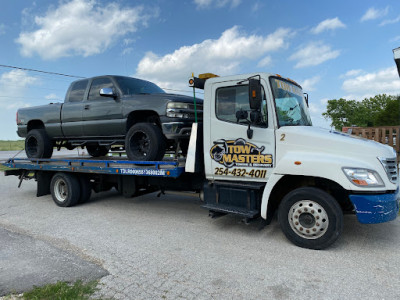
pixel 309 84
pixel 216 3
pixel 328 24
pixel 351 73
pixel 53 97
pixel 264 62
pixel 80 27
pixel 395 39
pixel 313 54
pixel 14 84
pixel 221 56
pixel 372 13
pixel 385 81
pixel 390 21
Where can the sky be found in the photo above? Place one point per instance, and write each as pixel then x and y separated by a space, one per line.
pixel 333 49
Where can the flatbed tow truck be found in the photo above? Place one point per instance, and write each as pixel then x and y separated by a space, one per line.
pixel 255 155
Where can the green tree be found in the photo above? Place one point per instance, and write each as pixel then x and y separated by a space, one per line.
pixel 381 110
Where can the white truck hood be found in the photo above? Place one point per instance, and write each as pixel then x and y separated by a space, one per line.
pixel 324 153
pixel 315 139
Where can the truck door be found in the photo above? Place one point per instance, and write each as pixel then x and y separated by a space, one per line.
pixel 231 153
pixel 102 116
pixel 71 112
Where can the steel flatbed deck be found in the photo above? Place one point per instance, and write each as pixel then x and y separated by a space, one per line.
pixel 171 169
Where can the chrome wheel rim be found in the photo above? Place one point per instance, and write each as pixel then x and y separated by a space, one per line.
pixel 308 219
pixel 60 190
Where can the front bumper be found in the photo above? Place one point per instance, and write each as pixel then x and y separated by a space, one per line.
pixel 376 208
pixel 177 130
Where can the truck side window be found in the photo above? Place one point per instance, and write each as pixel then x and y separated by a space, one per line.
pixel 229 100
pixel 78 91
pixel 97 85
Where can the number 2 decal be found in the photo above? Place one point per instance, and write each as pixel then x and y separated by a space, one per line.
pixel 283 137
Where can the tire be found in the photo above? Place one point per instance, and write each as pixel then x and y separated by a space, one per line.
pixel 38 144
pixel 97 150
pixel 86 189
pixel 65 189
pixel 310 218
pixel 145 142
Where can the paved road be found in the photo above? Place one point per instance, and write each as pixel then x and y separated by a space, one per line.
pixel 167 248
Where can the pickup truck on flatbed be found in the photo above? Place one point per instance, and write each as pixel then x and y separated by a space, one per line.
pixel 106 111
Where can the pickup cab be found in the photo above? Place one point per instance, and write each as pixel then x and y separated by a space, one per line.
pixel 105 111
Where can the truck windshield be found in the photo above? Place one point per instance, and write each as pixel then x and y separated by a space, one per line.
pixel 132 86
pixel 291 107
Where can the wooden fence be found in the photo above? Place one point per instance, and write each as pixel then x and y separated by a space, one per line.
pixel 388 135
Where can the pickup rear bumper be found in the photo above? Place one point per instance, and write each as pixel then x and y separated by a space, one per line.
pixel 376 208
pixel 22 130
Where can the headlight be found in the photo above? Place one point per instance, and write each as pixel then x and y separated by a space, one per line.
pixel 363 177
pixel 177 110
pixel 178 105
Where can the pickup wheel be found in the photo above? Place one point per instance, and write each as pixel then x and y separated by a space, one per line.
pixel 310 218
pixel 65 189
pixel 145 142
pixel 38 144
pixel 97 150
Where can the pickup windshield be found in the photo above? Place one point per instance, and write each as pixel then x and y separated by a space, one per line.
pixel 132 86
pixel 291 107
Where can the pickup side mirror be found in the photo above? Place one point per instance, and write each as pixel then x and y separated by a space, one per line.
pixel 107 92
pixel 255 98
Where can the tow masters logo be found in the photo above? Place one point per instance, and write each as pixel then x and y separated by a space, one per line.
pixel 240 153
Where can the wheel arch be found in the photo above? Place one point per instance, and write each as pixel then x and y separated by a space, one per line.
pixel 284 184
pixel 35 124
pixel 142 116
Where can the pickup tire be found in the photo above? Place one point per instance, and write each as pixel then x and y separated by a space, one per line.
pixel 310 218
pixel 145 142
pixel 38 144
pixel 65 189
pixel 97 150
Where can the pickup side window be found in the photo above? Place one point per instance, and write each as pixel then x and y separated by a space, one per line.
pixel 78 91
pixel 231 99
pixel 97 85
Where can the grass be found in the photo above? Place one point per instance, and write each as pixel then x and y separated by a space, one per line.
pixel 63 291
pixel 12 145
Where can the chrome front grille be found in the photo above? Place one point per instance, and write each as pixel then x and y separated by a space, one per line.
pixel 390 166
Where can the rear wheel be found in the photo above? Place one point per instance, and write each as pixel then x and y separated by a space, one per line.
pixel 38 144
pixel 145 142
pixel 310 218
pixel 65 189
pixel 86 189
pixel 97 150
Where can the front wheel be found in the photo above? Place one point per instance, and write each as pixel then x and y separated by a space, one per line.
pixel 310 218
pixel 145 142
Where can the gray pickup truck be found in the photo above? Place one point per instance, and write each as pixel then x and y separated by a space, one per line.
pixel 107 112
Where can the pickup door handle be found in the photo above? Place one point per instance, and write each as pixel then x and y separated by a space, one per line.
pixel 87 106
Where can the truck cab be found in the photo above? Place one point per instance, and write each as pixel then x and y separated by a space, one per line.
pixel 262 155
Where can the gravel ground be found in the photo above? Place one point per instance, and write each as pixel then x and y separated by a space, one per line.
pixel 167 248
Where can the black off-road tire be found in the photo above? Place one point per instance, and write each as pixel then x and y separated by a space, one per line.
pixel 97 150
pixel 145 142
pixel 310 218
pixel 38 144
pixel 65 189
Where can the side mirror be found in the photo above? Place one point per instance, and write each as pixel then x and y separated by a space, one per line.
pixel 306 97
pixel 241 115
pixel 107 92
pixel 255 98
